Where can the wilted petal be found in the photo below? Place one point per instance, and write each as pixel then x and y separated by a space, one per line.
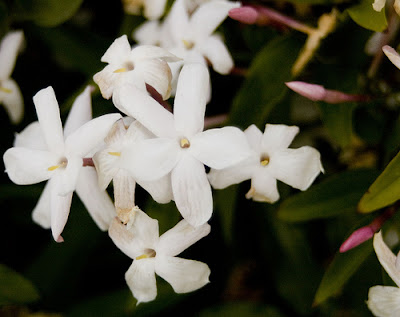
pixel 80 113
pixel 48 114
pixel 192 191
pixel 146 110
pixel 190 99
pixel 180 237
pixel 90 135
pixel 233 175
pixel 263 188
pixel 393 56
pixel 119 50
pixel 10 45
pixel 141 280
pixel 31 137
pixel 384 301
pixel 386 258
pixel 254 137
pixel 277 136
pixel 217 53
pixel 296 167
pixel 160 190
pixel 60 207
pixel 220 148
pixel 183 275
pixel 12 100
pixel 97 201
pixel 133 241
pixel 26 166
pixel 42 213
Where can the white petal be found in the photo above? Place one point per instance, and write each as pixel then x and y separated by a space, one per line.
pixel 133 241
pixel 145 109
pixel 160 190
pixel 60 207
pixel 277 136
pixel 149 160
pixel 177 21
pixel 254 137
pixel 116 134
pixel 69 175
pixel 148 33
pixel 42 213
pixel 124 191
pixel 90 135
pixel 10 45
pixel 12 101
pixel 106 166
pixel 378 5
pixel 31 137
pixel 80 113
pixel 233 175
pixel 393 56
pixel 263 188
pixel 220 148
pixel 209 16
pixel 384 301
pixel 192 191
pixel 217 53
pixel 180 237
pixel 386 258
pixel 183 275
pixel 141 280
pixel 154 9
pixel 119 50
pixel 106 80
pixel 152 52
pixel 97 202
pixel 48 114
pixel 190 99
pixel 26 166
pixel 137 132
pixel 296 167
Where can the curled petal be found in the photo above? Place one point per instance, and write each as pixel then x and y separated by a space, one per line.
pixel 192 191
pixel 106 166
pixel 180 237
pixel 119 50
pixel 183 275
pixel 384 301
pixel 141 280
pixel 386 258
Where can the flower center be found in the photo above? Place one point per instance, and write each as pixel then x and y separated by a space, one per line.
pixel 128 66
pixel 188 44
pixel 63 163
pixel 148 253
pixel 184 143
pixel 264 160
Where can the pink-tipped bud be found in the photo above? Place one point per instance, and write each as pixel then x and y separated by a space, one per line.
pixel 310 91
pixel 356 238
pixel 245 14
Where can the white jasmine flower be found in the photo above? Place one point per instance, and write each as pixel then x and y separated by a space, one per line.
pixel 107 162
pixel 271 160
pixel 60 160
pixel 154 254
pixel 141 65
pixel 10 94
pixel 181 148
pixel 152 9
pixel 384 301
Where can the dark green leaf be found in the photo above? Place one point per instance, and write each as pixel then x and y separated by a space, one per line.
pixel 364 15
pixel 225 203
pixel 337 194
pixel 241 309
pixel 14 288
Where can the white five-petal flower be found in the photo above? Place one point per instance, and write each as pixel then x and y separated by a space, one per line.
pixel 140 65
pixel 384 301
pixel 10 94
pixel 59 160
pixel 154 254
pixel 271 160
pixel 181 148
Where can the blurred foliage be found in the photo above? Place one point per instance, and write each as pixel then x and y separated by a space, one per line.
pixel 266 260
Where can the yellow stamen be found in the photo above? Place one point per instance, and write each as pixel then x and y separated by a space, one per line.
pixel 6 90
pixel 115 153
pixel 189 45
pixel 184 143
pixel 120 70
pixel 143 256
pixel 54 167
pixel 265 162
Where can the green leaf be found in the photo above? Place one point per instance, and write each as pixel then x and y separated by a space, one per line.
pixel 385 190
pixel 364 15
pixel 15 289
pixel 265 86
pixel 343 266
pixel 225 203
pixel 329 198
pixel 241 309
pixel 48 13
pixel 338 119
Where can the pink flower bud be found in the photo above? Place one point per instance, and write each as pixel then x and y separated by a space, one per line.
pixel 248 15
pixel 356 238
